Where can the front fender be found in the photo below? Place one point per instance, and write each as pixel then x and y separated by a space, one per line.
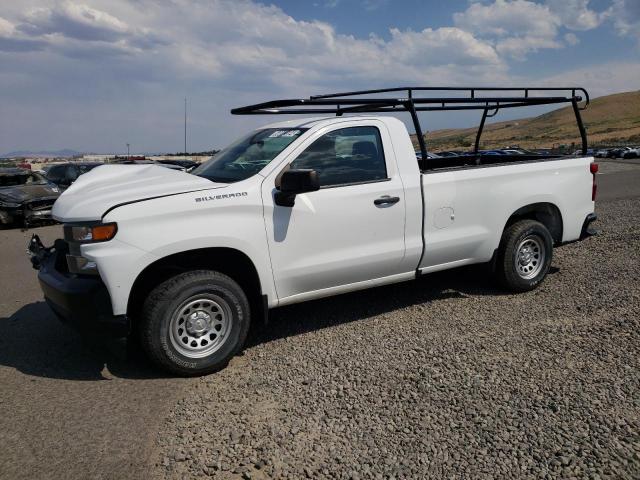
pixel 165 226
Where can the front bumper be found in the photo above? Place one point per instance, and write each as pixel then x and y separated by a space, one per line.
pixel 26 214
pixel 80 300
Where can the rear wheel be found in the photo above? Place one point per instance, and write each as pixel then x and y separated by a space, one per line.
pixel 193 323
pixel 524 255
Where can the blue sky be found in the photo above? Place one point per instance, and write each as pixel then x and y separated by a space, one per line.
pixel 93 75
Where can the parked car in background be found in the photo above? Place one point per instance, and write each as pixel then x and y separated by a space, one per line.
pixel 25 196
pixel 188 165
pixel 513 151
pixel 590 151
pixel 64 174
pixel 493 152
pixel 617 152
pixel 149 162
pixel 631 153
pixel 430 155
pixel 601 153
pixel 621 151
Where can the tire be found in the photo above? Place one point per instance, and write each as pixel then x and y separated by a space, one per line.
pixel 195 322
pixel 524 255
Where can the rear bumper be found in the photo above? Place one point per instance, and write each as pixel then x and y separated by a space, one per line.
pixel 587 230
pixel 82 301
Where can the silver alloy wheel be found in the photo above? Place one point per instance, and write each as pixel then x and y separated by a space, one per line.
pixel 200 325
pixel 530 256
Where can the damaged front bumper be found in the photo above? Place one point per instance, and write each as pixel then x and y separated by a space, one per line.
pixel 81 300
pixel 29 213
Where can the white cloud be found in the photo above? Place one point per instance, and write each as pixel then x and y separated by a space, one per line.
pixel 6 28
pixel 571 39
pixel 608 78
pixel 74 20
pixel 505 18
pixel 115 69
pixel 626 17
pixel 221 38
pixel 12 41
pixel 575 14
pixel 134 57
pixel 516 27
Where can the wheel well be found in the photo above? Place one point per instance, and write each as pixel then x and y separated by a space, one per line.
pixel 229 261
pixel 546 213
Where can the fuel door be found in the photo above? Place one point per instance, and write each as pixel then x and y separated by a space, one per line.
pixel 443 217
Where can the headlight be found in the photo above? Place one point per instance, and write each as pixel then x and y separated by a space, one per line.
pixel 100 232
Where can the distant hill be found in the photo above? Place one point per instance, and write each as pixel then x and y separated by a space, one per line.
pixel 52 153
pixel 609 119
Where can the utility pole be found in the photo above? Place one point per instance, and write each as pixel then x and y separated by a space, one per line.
pixel 185 125
pixel 128 152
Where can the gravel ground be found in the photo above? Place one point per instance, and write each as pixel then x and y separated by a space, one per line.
pixel 442 377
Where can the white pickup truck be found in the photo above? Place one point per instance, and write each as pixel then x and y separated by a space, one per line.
pixel 295 211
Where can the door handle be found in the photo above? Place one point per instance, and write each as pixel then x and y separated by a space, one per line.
pixel 386 200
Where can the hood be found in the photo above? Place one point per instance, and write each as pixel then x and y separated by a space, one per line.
pixel 95 192
pixel 26 193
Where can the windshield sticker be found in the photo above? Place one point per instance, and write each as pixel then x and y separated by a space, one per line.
pixel 276 134
pixel 291 133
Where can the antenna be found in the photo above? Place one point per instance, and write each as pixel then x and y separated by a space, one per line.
pixel 185 125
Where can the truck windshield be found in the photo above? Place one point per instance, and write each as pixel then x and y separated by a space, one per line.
pixel 247 156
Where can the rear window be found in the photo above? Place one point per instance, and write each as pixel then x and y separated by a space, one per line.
pixel 86 168
pixel 26 178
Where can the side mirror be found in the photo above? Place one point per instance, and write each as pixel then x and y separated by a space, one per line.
pixel 294 182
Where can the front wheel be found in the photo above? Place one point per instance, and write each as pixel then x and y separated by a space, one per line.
pixel 524 255
pixel 193 323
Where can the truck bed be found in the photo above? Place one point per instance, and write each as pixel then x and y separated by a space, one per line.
pixel 472 161
pixel 467 207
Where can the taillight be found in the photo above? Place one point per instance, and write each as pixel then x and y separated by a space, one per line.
pixel 593 168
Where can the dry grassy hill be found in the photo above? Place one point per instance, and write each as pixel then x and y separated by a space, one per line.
pixel 610 119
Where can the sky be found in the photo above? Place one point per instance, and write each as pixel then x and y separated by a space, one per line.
pixel 94 75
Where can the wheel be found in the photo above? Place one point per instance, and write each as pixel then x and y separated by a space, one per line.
pixel 524 255
pixel 193 323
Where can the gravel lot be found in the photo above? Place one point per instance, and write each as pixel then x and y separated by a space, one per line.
pixel 443 377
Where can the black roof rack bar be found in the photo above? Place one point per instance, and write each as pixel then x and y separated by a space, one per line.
pixel 346 105
pixel 353 102
pixel 472 91
pixel 389 108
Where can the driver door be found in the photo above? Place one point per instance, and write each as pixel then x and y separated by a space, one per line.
pixel 343 233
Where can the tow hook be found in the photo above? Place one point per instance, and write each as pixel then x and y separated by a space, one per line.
pixel 37 251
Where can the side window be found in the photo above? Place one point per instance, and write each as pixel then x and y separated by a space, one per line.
pixel 348 155
pixel 56 173
pixel 71 174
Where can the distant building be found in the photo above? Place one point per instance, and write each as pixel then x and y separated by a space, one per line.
pixel 96 158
